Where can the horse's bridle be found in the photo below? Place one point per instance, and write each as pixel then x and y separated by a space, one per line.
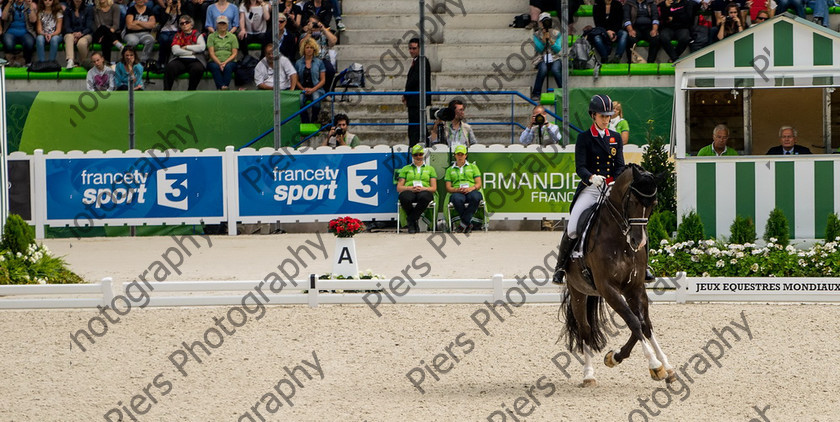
pixel 620 217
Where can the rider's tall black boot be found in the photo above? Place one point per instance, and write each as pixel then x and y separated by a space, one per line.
pixel 566 246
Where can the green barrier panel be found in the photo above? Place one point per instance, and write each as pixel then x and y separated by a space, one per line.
pixel 85 121
pixel 307 129
pixel 638 104
pixel 666 69
pixel 644 69
pixel 614 69
pixel 585 10
pixel 547 98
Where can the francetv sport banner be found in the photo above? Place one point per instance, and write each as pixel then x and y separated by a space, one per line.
pixel 317 185
pixel 138 189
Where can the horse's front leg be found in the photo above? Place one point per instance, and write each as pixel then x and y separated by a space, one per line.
pixel 614 357
pixel 617 302
pixel 671 375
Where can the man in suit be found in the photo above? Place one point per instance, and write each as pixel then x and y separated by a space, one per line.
pixel 787 139
pixel 412 83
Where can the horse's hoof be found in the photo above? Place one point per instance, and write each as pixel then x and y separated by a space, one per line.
pixel 609 359
pixel 589 383
pixel 658 374
pixel 672 376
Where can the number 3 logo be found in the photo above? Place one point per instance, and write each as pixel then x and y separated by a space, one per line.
pixel 172 187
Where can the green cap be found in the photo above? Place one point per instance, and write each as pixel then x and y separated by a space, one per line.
pixel 418 149
pixel 461 149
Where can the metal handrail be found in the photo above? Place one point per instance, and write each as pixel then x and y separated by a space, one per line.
pixel 372 93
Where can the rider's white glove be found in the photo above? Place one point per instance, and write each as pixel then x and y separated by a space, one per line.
pixel 597 180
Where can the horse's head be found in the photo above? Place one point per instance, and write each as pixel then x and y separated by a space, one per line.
pixel 634 195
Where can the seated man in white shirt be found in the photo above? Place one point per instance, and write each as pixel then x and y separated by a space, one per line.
pixel 544 134
pixel 264 72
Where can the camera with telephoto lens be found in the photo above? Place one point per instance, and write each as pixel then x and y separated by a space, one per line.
pixel 446 114
pixel 339 131
pixel 539 119
pixel 546 23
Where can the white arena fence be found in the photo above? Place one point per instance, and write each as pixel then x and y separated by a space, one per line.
pixel 315 292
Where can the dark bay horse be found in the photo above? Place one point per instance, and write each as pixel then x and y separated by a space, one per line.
pixel 616 258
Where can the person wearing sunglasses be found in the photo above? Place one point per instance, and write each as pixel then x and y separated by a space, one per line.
pixel 187 55
pixel 416 185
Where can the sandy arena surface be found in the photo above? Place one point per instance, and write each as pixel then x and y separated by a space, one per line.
pixel 736 359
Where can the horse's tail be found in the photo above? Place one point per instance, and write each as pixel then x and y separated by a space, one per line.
pixel 596 315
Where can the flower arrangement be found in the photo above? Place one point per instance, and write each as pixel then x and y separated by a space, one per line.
pixel 710 258
pixel 346 226
pixel 23 261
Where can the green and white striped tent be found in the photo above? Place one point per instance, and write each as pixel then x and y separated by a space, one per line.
pixel 785 52
pixel 806 188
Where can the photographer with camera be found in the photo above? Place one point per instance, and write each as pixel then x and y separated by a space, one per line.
pixel 540 129
pixel 326 40
pixel 548 43
pixel 730 23
pixel 339 134
pixel 457 132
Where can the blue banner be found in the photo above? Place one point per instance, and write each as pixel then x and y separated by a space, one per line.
pixel 318 184
pixel 134 188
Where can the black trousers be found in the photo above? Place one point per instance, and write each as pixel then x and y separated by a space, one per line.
pixel 106 38
pixel 409 198
pixel 178 67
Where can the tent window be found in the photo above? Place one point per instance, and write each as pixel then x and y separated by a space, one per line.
pixel 710 108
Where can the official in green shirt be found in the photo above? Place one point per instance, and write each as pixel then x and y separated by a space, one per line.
pixel 463 182
pixel 718 147
pixel 416 185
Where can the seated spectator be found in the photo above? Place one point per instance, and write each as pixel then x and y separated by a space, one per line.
pixel 787 140
pixel 19 17
pixel 762 16
pixel 457 132
pixel 782 6
pixel 139 23
pixel 222 49
pixel 100 77
pixel 253 18
pixel 544 134
pixel 106 24
pixel 187 55
pixel 168 18
pixel 537 7
pixel 416 185
pixel 609 30
pixel 758 6
pixel 719 7
pixel 264 72
pixel 50 20
pixel 326 40
pixel 322 10
pixel 718 147
pixel 222 8
pixel 463 182
pixel 78 30
pixel 677 18
pixel 288 38
pixel 731 23
pixel 294 13
pixel 128 71
pixel 641 20
pixel 618 124
pixel 311 78
pixel 339 134
pixel 197 9
pixel 337 16
pixel 820 9
pixel 547 43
